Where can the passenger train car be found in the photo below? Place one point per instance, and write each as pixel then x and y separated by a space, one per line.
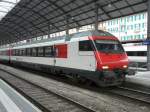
pixel 137 54
pixel 97 56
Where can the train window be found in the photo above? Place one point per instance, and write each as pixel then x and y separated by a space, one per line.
pixel 23 52
pixel 85 45
pixel 137 53
pixel 109 46
pixel 28 51
pixel 130 53
pixel 49 51
pixel 13 52
pixel 141 53
pixel 40 51
pixel 17 53
pixel 34 51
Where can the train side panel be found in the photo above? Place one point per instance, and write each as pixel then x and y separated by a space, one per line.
pixel 68 57
pixel 76 59
pixel 33 60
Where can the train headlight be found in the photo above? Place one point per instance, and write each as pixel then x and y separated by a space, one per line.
pixel 105 67
pixel 125 66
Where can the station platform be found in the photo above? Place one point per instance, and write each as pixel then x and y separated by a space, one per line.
pixel 12 101
pixel 140 78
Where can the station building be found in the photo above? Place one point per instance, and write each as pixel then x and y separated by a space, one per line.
pixel 133 27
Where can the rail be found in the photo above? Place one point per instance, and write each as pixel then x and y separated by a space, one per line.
pixel 45 99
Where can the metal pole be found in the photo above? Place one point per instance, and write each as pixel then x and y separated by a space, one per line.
pixel 96 16
pixel 49 28
pixel 148 37
pixel 67 25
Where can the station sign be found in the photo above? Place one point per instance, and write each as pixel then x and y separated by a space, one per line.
pixel 146 42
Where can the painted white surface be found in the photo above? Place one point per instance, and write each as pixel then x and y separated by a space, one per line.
pixel 76 59
pixel 135 48
pixel 137 58
pixel 20 96
pixel 36 60
pixel 9 105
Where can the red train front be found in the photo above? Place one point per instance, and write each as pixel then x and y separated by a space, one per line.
pixel 112 60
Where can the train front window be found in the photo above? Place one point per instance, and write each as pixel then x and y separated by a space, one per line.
pixel 109 46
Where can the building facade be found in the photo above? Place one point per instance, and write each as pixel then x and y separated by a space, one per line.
pixel 133 27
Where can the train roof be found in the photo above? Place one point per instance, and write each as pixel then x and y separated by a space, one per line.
pixel 63 39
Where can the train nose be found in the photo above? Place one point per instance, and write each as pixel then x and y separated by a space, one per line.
pixel 111 61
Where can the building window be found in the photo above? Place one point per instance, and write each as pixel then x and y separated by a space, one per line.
pixel 143 25
pixel 121 19
pixel 139 26
pixel 142 36
pixel 124 20
pixel 134 36
pixel 139 16
pixel 139 37
pixel 131 18
pixel 131 37
pixel 143 16
pixel 131 27
pixel 117 21
pixel 108 23
pixel 128 19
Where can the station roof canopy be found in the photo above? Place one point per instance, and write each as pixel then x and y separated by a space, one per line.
pixel 31 18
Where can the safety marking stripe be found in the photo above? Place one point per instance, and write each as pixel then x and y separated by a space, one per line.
pixel 23 98
pixel 8 103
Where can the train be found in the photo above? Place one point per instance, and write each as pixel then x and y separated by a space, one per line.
pixel 95 55
pixel 137 55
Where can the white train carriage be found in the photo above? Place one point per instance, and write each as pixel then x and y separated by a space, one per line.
pixel 5 55
pixel 137 55
pixel 80 56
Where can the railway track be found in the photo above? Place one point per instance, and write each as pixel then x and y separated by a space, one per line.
pixel 130 93
pixel 125 95
pixel 46 100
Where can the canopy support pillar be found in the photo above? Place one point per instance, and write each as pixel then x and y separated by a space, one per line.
pixel 148 37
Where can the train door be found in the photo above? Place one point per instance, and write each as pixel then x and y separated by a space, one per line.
pixel 55 53
pixel 49 53
pixel 86 55
pixel 9 55
pixel 60 52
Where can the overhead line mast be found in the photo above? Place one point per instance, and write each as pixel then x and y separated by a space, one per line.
pixel 148 37
pixel 96 15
